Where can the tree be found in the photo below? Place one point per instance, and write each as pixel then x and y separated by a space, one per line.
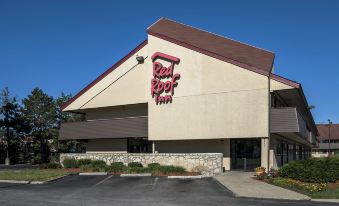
pixel 39 111
pixel 10 121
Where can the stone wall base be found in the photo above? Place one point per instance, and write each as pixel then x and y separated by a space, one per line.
pixel 206 163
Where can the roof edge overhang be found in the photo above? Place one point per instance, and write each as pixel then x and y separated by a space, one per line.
pixel 297 86
pixel 103 75
pixel 285 81
pixel 212 54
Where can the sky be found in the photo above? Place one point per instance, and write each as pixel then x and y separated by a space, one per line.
pixel 61 46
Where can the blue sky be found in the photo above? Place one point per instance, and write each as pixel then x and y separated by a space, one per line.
pixel 64 45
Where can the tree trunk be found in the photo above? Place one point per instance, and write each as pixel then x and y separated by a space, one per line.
pixel 7 160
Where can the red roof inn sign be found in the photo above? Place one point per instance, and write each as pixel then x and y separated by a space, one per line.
pixel 164 80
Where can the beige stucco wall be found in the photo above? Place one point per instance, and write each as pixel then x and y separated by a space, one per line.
pixel 135 110
pixel 106 145
pixel 213 99
pixel 197 146
pixel 117 88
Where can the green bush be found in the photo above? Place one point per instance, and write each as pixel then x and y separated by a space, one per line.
pixel 94 166
pixel 297 185
pixel 168 169
pixel 316 170
pixel 117 167
pixel 134 164
pixel 138 170
pixel 70 163
pixel 95 163
pixel 98 166
pixel 153 165
pixel 84 162
pixel 51 165
pixel 86 168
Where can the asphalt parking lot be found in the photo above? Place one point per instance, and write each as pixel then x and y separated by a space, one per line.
pixel 110 190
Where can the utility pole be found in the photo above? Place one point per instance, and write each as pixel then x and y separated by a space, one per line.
pixel 329 137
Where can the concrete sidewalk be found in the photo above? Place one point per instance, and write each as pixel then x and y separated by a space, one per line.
pixel 243 185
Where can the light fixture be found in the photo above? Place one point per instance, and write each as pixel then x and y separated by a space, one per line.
pixel 140 59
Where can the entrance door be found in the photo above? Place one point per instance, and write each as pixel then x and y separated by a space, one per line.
pixel 245 154
pixel 139 145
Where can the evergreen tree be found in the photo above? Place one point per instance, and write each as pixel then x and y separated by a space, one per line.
pixel 40 113
pixel 10 123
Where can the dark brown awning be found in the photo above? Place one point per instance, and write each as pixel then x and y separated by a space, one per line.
pixel 294 97
pixel 103 129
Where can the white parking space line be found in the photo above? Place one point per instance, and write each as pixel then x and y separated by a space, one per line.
pixel 102 181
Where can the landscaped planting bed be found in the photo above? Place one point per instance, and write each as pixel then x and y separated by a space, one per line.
pixel 33 174
pixel 315 177
pixel 87 165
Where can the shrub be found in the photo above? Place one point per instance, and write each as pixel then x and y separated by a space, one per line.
pixel 94 166
pixel 320 170
pixel 98 166
pixel 134 164
pixel 117 167
pixel 95 163
pixel 168 169
pixel 261 176
pixel 273 173
pixel 70 163
pixel 153 165
pixel 295 184
pixel 260 169
pixel 139 170
pixel 51 165
pixel 86 168
pixel 84 162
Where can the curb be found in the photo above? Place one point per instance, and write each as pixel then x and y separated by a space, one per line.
pixel 186 177
pixel 326 200
pixel 15 181
pixel 137 175
pixel 92 173
pixel 37 182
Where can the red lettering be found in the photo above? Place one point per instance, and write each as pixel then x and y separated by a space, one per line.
pixel 162 72
pixel 174 83
pixel 154 84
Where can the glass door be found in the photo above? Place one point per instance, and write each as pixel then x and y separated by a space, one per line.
pixel 245 154
pixel 139 145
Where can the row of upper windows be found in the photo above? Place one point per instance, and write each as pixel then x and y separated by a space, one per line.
pixel 329 141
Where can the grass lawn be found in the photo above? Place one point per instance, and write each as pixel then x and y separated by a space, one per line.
pixel 33 175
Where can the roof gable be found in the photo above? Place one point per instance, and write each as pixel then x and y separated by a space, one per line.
pixel 240 54
pixel 103 75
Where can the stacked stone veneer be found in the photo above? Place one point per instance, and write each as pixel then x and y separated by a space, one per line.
pixel 206 163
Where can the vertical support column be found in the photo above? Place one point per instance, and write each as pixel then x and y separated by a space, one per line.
pixel 265 153
pixel 153 147
pixel 227 155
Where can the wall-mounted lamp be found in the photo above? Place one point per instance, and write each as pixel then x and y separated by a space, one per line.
pixel 140 59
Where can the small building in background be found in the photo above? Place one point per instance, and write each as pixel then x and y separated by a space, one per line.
pixel 328 140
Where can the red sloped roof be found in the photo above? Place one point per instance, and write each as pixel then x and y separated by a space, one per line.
pixel 324 131
pixel 234 52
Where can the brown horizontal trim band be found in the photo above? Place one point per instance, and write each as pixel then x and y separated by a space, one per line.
pixel 103 75
pixel 105 129
pixel 208 53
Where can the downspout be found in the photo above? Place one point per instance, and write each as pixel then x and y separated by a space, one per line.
pixel 269 116
pixel 269 122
